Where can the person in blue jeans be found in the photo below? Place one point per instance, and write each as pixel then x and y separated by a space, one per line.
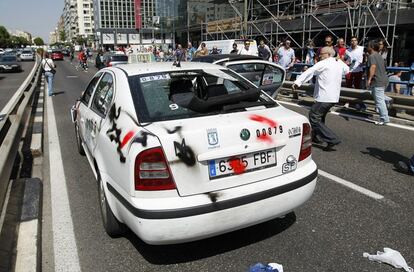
pixel 49 68
pixel 377 81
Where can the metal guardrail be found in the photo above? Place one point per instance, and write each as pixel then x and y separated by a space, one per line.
pixel 13 118
pixel 400 102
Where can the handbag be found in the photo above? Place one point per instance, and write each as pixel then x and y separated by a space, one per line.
pixel 52 70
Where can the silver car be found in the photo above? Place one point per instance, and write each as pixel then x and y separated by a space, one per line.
pixel 27 55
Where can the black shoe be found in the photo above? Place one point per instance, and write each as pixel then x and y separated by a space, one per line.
pixel 329 147
pixel 404 167
pixel 316 139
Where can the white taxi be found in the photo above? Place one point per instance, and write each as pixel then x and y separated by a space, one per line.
pixel 185 152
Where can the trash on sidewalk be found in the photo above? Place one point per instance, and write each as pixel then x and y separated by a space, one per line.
pixel 389 256
pixel 271 267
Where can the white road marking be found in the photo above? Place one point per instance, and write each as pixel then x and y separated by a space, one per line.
pixel 72 76
pixel 351 185
pixel 64 243
pixel 351 116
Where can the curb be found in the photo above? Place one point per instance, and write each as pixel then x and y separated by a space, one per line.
pixel 28 247
pixel 36 144
pixel 28 255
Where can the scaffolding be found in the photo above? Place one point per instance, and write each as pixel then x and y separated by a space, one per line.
pixel 303 20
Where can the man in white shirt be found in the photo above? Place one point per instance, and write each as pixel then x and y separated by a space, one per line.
pixel 354 57
pixel 246 49
pixel 286 55
pixel 328 72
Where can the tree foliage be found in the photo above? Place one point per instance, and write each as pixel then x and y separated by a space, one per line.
pixel 62 36
pixel 38 41
pixel 4 37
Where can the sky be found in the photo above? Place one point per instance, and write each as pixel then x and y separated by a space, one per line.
pixel 38 17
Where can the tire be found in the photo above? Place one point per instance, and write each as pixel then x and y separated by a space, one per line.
pixel 79 141
pixel 112 226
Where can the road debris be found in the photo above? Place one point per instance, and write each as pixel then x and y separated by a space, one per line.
pixel 391 257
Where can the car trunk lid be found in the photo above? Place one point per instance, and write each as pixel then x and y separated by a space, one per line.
pixel 221 151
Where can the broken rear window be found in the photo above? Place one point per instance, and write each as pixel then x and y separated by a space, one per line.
pixel 186 94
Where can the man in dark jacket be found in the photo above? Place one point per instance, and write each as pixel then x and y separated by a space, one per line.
pixel 99 60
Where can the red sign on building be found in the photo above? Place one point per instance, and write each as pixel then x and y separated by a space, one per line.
pixel 138 16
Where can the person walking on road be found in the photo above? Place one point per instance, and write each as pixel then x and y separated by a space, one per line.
pixel 377 81
pixel 49 67
pixel 328 72
pixel 99 62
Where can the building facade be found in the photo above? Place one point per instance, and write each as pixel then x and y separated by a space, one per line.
pixel 78 19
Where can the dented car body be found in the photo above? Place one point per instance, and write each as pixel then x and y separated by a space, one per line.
pixel 189 152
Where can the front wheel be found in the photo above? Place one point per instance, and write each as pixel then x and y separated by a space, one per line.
pixel 112 226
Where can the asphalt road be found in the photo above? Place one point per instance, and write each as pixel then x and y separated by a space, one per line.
pixel 328 233
pixel 10 82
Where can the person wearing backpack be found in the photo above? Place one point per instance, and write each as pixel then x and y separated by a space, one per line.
pixel 49 69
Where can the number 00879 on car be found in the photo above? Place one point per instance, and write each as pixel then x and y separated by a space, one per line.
pixel 241 164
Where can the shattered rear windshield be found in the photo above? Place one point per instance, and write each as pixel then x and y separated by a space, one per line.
pixel 186 94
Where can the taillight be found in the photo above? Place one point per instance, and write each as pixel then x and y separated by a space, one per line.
pixel 306 147
pixel 152 172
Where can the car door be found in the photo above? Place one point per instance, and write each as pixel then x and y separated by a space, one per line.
pixel 99 107
pixel 83 108
pixel 266 75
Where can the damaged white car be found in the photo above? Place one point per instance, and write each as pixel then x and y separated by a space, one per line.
pixel 189 152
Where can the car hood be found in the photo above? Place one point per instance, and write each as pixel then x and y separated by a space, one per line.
pixel 9 63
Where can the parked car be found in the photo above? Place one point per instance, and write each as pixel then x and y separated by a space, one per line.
pixel 115 59
pixel 9 63
pixel 1 51
pixel 27 54
pixel 185 153
pixel 264 74
pixel 56 55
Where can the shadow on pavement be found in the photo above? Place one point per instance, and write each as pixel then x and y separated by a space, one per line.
pixel 180 253
pixel 2 77
pixel 387 156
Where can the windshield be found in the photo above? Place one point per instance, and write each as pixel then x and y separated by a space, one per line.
pixel 186 94
pixel 119 58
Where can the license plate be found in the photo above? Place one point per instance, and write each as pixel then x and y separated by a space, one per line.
pixel 241 164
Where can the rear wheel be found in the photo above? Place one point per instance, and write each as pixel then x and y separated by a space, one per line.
pixel 112 226
pixel 79 141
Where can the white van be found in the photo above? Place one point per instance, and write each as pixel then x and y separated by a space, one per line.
pixel 225 46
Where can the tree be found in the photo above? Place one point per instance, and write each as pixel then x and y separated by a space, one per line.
pixel 16 41
pixel 4 37
pixel 62 36
pixel 81 40
pixel 38 41
pixel 23 41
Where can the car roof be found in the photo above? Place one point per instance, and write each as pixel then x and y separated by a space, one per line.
pixel 154 67
pixel 231 57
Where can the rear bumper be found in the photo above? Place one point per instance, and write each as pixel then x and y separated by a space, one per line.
pixel 169 226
